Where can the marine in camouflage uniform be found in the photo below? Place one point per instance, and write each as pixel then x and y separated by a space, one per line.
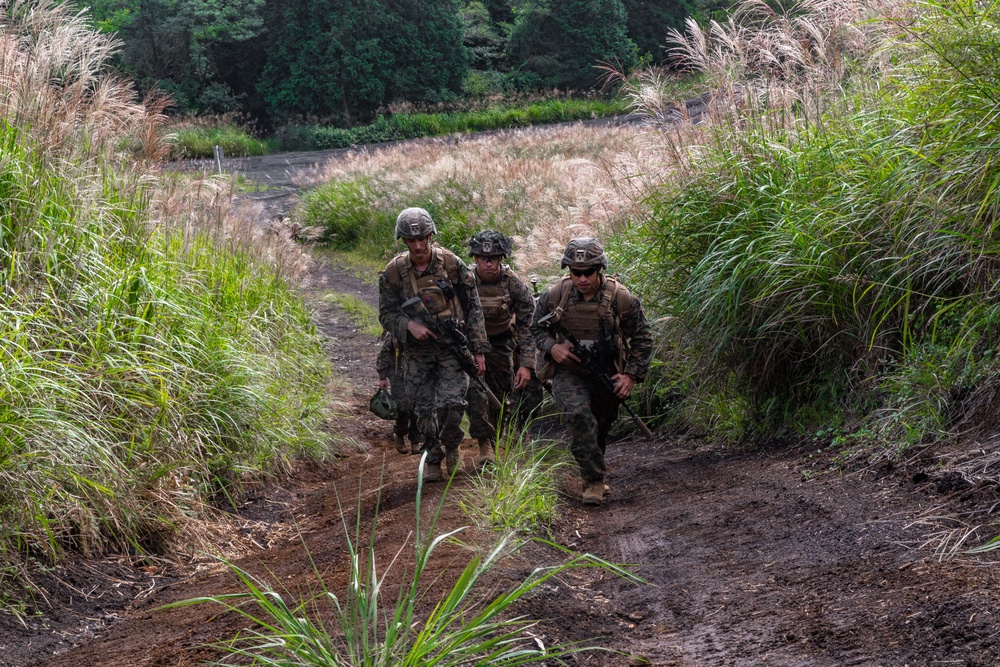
pixel 390 365
pixel 507 310
pixel 447 291
pixel 593 307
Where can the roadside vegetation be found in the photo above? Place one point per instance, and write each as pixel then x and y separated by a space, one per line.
pixel 196 137
pixel 152 354
pixel 826 239
pixel 541 186
pixel 363 625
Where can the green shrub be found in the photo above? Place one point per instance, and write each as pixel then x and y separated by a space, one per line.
pixel 844 241
pixel 200 142
pixel 151 360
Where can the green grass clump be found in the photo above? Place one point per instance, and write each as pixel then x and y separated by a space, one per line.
pixel 468 623
pixel 364 315
pixel 199 142
pixel 520 491
pixel 360 214
pixel 845 243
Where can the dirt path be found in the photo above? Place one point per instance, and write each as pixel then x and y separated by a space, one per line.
pixel 748 560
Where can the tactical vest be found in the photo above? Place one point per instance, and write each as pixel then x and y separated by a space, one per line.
pixel 401 275
pixel 589 320
pixel 495 299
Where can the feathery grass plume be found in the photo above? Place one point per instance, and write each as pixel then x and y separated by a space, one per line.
pixel 151 352
pixel 543 186
pixel 822 257
pixel 468 623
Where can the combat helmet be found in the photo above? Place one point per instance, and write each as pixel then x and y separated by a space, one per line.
pixel 583 253
pixel 414 223
pixel 490 243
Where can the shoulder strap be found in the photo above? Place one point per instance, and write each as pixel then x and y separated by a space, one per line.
pixel 394 272
pixel 561 290
pixel 450 261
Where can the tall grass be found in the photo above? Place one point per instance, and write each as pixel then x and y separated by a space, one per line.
pixel 826 237
pixel 197 137
pixel 152 354
pixel 468 623
pixel 542 185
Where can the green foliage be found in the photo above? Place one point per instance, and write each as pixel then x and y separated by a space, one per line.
pixel 364 315
pixel 470 624
pixel 413 125
pixel 149 363
pixel 520 491
pixel 347 59
pixel 650 23
pixel 560 44
pixel 203 53
pixel 856 248
pixel 200 142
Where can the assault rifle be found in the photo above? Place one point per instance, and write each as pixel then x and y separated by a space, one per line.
pixel 591 363
pixel 449 336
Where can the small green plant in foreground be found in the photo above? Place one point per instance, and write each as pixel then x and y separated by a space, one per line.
pixel 466 626
pixel 520 491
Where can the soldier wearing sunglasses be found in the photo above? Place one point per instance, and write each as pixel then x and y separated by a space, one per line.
pixel 607 320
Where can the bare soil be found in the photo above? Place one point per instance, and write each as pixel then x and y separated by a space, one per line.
pixel 749 559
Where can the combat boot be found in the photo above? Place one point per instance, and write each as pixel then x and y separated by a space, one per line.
pixel 453 462
pixel 593 492
pixel 432 472
pixel 400 443
pixel 415 446
pixel 486 455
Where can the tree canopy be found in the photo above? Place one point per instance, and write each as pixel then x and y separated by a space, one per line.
pixel 343 60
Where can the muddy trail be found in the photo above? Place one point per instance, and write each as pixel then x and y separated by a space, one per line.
pixel 749 558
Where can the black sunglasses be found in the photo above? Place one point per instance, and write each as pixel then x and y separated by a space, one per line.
pixel 579 273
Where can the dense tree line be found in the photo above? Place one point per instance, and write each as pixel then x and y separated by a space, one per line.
pixel 342 60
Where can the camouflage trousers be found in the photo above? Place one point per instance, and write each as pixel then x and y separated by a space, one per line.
pixel 591 410
pixel 406 420
pixel 437 387
pixel 483 419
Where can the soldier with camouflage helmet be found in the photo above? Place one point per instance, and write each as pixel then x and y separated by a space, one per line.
pixel 447 293
pixel 507 310
pixel 602 314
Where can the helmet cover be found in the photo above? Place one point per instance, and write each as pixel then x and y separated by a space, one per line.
pixel 490 243
pixel 583 253
pixel 414 223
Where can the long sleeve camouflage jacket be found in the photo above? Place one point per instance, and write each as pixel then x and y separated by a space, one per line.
pixel 391 297
pixel 634 327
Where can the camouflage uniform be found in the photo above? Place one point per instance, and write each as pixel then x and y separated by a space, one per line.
pixel 500 360
pixel 435 378
pixel 390 365
pixel 590 407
